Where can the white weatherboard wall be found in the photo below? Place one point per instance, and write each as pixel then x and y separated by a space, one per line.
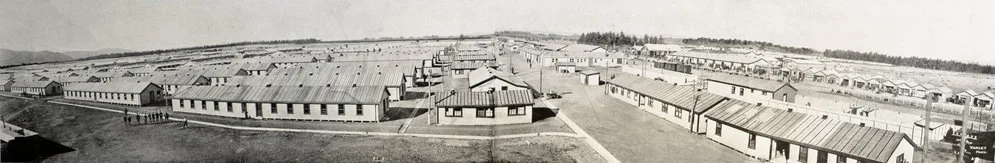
pixel 370 112
pixel 749 94
pixel 642 102
pixel 469 117
pixel 739 140
pixel 497 84
pixel 668 76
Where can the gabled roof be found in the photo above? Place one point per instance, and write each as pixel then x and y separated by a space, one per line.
pixel 471 65
pixel 737 58
pixel 661 47
pixel 75 79
pixel 287 94
pixel 484 99
pixel 163 79
pixel 111 87
pixel 32 84
pixel 579 48
pixel 473 57
pixel 680 96
pixel 749 82
pixel 808 130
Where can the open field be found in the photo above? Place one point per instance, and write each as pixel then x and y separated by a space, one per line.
pixel 102 136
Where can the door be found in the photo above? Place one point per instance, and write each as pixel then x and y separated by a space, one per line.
pixel 259 111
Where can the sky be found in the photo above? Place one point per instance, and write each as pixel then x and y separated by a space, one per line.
pixel 951 30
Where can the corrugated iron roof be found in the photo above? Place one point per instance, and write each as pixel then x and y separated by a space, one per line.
pixel 471 65
pixel 484 99
pixel 31 83
pixel 321 78
pixel 287 94
pixel 110 87
pixel 813 131
pixel 75 79
pixel 680 96
pixel 767 85
pixel 163 79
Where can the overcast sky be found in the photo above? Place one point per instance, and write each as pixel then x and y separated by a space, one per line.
pixel 957 30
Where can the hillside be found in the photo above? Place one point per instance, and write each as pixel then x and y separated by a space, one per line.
pixel 11 57
pixel 84 54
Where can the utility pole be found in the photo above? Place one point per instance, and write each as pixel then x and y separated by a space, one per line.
pixel 963 127
pixel 540 72
pixel 925 134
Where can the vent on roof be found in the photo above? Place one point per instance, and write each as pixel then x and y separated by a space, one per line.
pixel 357 73
pixel 353 85
pixel 825 116
pixel 310 74
pixel 328 85
pixel 790 110
pixel 378 73
pixel 269 85
pixel 861 124
pixel 300 85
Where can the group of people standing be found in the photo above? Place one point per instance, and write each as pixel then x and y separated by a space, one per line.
pixel 146 118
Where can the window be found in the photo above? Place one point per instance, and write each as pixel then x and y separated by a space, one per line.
pixel 901 158
pixel 802 154
pixel 751 90
pixel 842 158
pixel 454 112
pixel 307 109
pixel 664 107
pixel 504 88
pixel 230 109
pixel 821 157
pixel 132 96
pixel 649 103
pixel 740 91
pixel 677 113
pixel 341 109
pixel 216 108
pixel 203 105
pixel 753 142
pixel 514 111
pixel 485 112
pixel 272 108
pixel 718 129
pixel 359 109
pixel 290 108
pixel 324 109
pixel 733 89
pixel 181 103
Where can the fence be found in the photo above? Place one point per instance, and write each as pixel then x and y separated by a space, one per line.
pixel 978 114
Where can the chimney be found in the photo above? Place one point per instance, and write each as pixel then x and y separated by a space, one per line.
pixel 268 85
pixel 861 124
pixel 353 85
pixel 825 116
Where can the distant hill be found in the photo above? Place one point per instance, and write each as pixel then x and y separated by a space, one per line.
pixel 12 57
pixel 84 54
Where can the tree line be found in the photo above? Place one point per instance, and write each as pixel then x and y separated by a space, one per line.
pixel 758 45
pixel 617 39
pixel 927 63
pixel 151 52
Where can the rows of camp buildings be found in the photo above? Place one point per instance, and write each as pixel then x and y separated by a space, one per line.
pixel 727 110
pixel 760 131
pixel 809 70
pixel 348 86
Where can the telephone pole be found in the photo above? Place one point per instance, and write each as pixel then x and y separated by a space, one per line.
pixel 929 117
pixel 963 127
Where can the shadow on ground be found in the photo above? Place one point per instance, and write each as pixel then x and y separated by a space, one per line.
pixel 539 114
pixel 402 113
pixel 32 148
